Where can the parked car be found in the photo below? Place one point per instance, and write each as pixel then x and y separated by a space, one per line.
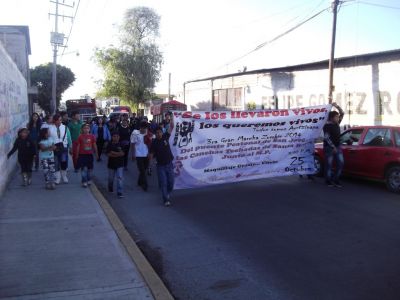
pixel 370 151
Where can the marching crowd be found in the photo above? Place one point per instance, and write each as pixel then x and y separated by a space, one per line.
pixel 49 142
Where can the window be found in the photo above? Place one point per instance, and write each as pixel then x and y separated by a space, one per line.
pixel 351 137
pixel 397 137
pixel 378 137
pixel 228 99
pixel 219 99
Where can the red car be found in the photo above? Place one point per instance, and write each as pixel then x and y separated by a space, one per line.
pixel 369 151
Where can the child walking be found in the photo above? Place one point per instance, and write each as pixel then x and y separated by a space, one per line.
pixel 46 156
pixel 86 147
pixel 26 153
pixel 115 165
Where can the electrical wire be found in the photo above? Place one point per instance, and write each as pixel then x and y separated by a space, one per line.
pixel 270 16
pixel 72 26
pixel 274 39
pixel 379 5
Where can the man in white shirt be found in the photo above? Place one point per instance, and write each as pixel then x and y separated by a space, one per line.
pixel 140 153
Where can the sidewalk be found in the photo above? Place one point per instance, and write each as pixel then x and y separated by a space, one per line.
pixel 60 245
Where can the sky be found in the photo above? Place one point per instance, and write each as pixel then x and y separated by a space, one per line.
pixel 205 38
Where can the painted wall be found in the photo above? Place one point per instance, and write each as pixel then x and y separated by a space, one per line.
pixel 369 94
pixel 13 112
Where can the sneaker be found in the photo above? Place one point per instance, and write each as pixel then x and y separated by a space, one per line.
pixel 47 186
pixel 29 181
pixel 89 182
pixel 84 184
pixel 329 183
pixel 64 177
pixel 337 184
pixel 167 203
pixel 52 186
pixel 120 195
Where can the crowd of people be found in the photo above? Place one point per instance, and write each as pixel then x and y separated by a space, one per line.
pixel 49 143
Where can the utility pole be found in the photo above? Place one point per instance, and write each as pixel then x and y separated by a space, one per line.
pixel 53 103
pixel 57 40
pixel 169 86
pixel 335 5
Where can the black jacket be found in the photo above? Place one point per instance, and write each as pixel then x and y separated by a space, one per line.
pixel 26 149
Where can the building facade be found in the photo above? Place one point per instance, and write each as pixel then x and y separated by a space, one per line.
pixel 366 87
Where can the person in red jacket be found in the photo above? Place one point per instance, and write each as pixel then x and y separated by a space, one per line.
pixel 86 149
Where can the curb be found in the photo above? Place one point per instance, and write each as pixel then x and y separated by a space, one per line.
pixel 155 284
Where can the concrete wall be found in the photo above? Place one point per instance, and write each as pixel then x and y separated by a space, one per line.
pixel 16 44
pixel 198 96
pixel 369 93
pixel 13 112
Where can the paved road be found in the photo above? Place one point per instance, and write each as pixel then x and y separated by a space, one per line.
pixel 281 238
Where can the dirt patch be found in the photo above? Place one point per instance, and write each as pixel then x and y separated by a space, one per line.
pixel 222 285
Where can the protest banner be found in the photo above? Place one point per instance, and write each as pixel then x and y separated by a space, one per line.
pixel 229 146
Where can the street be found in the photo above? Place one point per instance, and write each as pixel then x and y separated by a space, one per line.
pixel 280 238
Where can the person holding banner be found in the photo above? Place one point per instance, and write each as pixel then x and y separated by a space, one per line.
pixel 140 151
pixel 332 149
pixel 161 150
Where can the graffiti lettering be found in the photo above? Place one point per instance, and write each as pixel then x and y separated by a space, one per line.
pixel 361 99
pixel 398 102
pixel 385 100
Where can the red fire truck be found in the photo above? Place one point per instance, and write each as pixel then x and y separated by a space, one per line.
pixel 158 111
pixel 85 107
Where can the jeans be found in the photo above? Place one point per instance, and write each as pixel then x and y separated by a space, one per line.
pixel 75 154
pixel 120 180
pixel 61 160
pixel 339 162
pixel 37 162
pixel 142 164
pixel 125 148
pixel 86 174
pixel 100 146
pixel 166 179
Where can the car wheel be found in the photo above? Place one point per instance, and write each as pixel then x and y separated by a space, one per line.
pixel 392 179
pixel 319 168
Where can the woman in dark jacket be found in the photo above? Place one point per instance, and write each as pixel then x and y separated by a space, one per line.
pixel 34 127
pixel 102 134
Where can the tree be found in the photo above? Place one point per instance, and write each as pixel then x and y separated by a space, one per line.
pixel 132 70
pixel 41 76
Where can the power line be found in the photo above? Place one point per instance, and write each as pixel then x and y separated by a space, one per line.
pixel 270 16
pixel 379 5
pixel 274 39
pixel 72 26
